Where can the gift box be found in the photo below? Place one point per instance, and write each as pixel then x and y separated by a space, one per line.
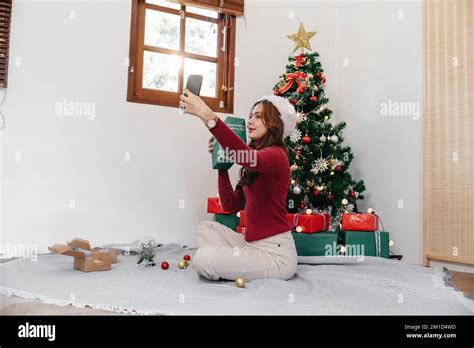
pixel 214 206
pixel 220 159
pixel 87 259
pixel 316 244
pixel 359 243
pixel 360 222
pixel 229 220
pixel 241 215
pixel 309 223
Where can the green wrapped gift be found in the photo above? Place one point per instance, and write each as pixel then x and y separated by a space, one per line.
pixel 366 243
pixel 316 244
pixel 229 220
pixel 219 158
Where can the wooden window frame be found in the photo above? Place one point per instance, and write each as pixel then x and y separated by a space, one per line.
pixel 225 60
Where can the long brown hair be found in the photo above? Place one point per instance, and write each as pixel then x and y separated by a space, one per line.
pixel 274 136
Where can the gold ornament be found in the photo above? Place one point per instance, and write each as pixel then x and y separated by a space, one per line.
pixel 319 188
pixel 183 264
pixel 240 282
pixel 332 161
pixel 301 39
pixel 310 183
pixel 370 211
pixel 299 229
pixel 345 202
pixel 332 173
pixel 294 168
pixel 309 211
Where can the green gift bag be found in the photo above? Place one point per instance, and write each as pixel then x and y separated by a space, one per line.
pixel 229 220
pixel 219 158
pixel 316 244
pixel 366 243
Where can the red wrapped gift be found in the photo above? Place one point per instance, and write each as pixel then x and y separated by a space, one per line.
pixel 242 218
pixel 309 223
pixel 214 206
pixel 360 222
pixel 240 229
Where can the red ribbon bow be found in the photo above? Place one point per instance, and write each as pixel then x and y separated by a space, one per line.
pixel 291 78
pixel 299 60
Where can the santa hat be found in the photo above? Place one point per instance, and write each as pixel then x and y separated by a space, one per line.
pixel 287 112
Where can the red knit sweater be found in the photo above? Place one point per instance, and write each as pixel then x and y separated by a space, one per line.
pixel 265 210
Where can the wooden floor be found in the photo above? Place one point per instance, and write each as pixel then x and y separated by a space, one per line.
pixel 464 282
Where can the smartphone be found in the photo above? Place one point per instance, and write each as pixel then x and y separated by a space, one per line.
pixel 194 84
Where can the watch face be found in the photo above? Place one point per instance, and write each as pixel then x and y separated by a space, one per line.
pixel 211 123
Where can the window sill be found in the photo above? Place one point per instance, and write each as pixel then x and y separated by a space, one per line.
pixel 144 100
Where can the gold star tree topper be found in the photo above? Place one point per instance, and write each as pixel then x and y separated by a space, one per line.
pixel 301 39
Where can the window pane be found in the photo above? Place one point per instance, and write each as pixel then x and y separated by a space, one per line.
pixel 207 70
pixel 201 11
pixel 162 29
pixel 164 4
pixel 201 37
pixel 160 71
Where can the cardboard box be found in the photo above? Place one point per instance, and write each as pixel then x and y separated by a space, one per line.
pixel 310 223
pixel 87 259
pixel 360 222
pixel 214 206
pixel 316 244
pixel 367 243
pixel 229 220
pixel 219 158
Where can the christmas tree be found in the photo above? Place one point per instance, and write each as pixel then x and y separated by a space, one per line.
pixel 319 162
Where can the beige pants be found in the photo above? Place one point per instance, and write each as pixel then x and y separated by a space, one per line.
pixel 225 254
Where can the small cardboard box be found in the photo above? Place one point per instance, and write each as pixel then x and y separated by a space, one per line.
pixel 219 155
pixel 87 259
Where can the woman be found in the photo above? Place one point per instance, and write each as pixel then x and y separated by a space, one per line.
pixel 266 249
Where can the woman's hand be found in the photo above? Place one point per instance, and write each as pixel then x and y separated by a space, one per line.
pixel 210 145
pixel 194 105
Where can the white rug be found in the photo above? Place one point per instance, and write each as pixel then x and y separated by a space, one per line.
pixel 322 285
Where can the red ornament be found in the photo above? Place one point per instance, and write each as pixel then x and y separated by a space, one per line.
pixel 319 75
pixel 338 169
pixel 353 194
pixel 330 197
pixel 277 92
pixel 302 205
pixel 294 101
pixel 324 80
pixel 298 151
pixel 165 265
pixel 186 257
pixel 316 193
pixel 306 139
pixel 314 99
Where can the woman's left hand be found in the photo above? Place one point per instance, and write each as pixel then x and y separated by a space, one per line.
pixel 194 105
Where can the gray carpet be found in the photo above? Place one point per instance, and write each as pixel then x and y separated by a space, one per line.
pixel 322 285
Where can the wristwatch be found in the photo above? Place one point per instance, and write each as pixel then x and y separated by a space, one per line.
pixel 211 123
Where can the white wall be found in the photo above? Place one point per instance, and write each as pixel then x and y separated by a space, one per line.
pixel 73 158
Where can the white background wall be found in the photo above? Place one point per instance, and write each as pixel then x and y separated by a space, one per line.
pixel 74 158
